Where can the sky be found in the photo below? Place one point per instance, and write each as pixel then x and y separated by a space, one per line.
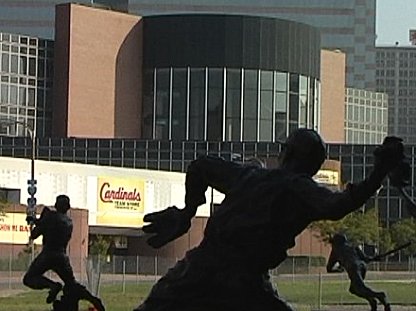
pixel 394 18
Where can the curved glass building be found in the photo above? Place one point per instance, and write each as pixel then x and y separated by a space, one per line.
pixel 229 77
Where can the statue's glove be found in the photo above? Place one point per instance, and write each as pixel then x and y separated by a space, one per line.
pixel 389 155
pixel 30 219
pixel 401 175
pixel 167 225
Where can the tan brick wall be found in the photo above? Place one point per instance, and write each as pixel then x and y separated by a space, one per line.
pixel 307 244
pixel 77 247
pixel 104 64
pixel 332 96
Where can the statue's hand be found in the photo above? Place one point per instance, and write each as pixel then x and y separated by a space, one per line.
pixel 390 154
pixel 166 225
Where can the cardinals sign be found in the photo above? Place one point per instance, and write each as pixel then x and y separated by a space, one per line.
pixel 120 202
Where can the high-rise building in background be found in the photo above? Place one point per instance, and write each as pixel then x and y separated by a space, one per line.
pixel 205 76
pixel 332 110
pixel 274 95
pixel 37 18
pixel 347 25
pixel 26 75
pixel 365 116
pixel 396 76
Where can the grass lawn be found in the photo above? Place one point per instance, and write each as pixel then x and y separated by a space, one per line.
pixel 301 294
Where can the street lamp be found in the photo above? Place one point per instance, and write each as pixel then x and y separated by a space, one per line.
pixel 31 201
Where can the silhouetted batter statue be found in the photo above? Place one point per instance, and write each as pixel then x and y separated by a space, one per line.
pixel 56 229
pixel 354 261
pixel 257 222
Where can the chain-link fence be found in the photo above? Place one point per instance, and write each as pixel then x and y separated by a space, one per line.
pixel 301 271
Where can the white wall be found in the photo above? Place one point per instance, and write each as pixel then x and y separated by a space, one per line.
pixel 79 182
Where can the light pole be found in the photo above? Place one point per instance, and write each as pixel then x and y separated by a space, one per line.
pixel 31 201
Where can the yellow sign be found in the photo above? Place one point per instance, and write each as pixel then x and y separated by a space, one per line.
pixel 120 202
pixel 14 229
pixel 327 177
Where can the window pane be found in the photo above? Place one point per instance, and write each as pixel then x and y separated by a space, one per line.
pixel 23 65
pixel 162 104
pixel 303 85
pixel 4 99
pixel 293 112
pixel 197 104
pixel 32 66
pixel 22 96
pixel 250 105
pixel 31 97
pixel 266 115
pixel 14 64
pixel 265 130
pixel 294 83
pixel 179 102
pixel 13 94
pixel 5 62
pixel 281 81
pixel 266 82
pixel 280 125
pixel 148 104
pixel 215 104
pixel 233 105
pixel 281 102
pixel 302 111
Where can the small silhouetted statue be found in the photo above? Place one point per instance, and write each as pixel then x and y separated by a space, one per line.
pixel 56 228
pixel 254 226
pixel 345 256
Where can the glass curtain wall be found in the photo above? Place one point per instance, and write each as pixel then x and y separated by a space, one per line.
pixel 26 75
pixel 227 104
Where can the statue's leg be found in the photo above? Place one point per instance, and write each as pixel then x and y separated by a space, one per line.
pixel 70 299
pixel 35 279
pixel 62 267
pixel 381 296
pixel 74 292
pixel 84 294
pixel 360 289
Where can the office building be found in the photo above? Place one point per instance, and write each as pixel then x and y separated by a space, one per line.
pixel 204 77
pixel 348 25
pixel 396 76
pixel 332 93
pixel 26 73
pixel 366 116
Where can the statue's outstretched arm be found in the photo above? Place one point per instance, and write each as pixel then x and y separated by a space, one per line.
pixel 172 222
pixel 334 205
pixel 40 224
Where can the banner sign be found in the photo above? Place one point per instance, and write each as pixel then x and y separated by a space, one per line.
pixel 14 229
pixel 327 177
pixel 120 202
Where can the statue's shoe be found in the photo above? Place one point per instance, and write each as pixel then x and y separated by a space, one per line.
pixel 53 292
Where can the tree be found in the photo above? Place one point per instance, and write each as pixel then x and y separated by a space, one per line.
pixel 99 245
pixel 4 203
pixel 404 231
pixel 98 248
pixel 385 242
pixel 360 227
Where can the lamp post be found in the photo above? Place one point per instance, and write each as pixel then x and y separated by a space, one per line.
pixel 31 201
